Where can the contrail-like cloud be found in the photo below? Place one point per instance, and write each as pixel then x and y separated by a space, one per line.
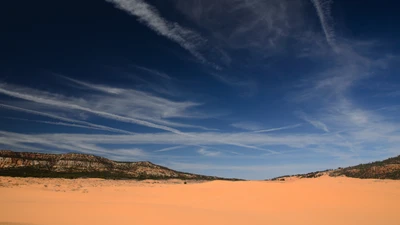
pixel 153 72
pixel 203 151
pixel 149 16
pixel 151 102
pixel 101 88
pixel 171 148
pixel 47 101
pixel 315 123
pixel 202 139
pixel 83 123
pixel 324 14
pixel 57 123
pixel 44 99
pixel 278 128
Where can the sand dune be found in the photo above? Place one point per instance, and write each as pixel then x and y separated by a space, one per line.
pixel 323 200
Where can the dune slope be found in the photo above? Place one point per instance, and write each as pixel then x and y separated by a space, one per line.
pixel 323 200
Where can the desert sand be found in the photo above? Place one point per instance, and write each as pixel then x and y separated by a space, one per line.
pixel 323 200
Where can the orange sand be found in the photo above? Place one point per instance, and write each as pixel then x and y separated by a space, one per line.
pixel 323 200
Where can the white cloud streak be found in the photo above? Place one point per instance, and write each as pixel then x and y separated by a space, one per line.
pixel 141 105
pixel 257 128
pixel 204 138
pixel 208 153
pixel 63 103
pixel 317 124
pixel 130 152
pixel 153 72
pixel 171 148
pixel 247 125
pixel 373 138
pixel 249 24
pixel 86 124
pixel 278 128
pixel 4 89
pixel 55 123
pixel 324 14
pixel 101 88
pixel 149 16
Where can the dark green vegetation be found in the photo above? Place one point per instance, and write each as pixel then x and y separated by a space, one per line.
pixel 386 169
pixel 73 165
pixel 41 173
pixel 306 175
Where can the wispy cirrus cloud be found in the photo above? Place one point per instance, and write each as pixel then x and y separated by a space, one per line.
pixel 152 71
pixel 58 123
pixel 316 123
pixel 101 88
pixel 73 104
pixel 257 128
pixel 252 24
pixel 171 148
pixel 372 139
pixel 247 125
pixel 205 152
pixel 130 152
pixel 248 86
pixel 150 16
pixel 126 107
pixel 72 121
pixel 205 138
pixel 145 106
pixel 277 128
pixel 331 90
pixel 323 10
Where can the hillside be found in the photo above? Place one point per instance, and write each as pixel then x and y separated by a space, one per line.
pixel 73 165
pixel 385 169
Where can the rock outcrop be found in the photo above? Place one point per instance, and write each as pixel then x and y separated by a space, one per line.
pixel 73 165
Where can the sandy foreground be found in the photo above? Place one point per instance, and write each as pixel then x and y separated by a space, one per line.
pixel 323 200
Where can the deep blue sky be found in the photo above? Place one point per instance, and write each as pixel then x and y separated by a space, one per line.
pixel 238 88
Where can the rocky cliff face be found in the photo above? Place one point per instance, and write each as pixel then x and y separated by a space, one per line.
pixel 74 165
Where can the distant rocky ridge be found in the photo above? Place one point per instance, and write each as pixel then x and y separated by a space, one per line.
pixel 386 169
pixel 74 165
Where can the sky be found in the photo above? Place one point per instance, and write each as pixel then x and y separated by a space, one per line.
pixel 237 88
